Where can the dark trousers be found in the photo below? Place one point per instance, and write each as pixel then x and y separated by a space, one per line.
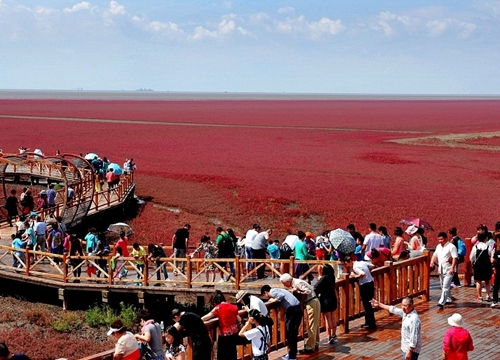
pixel 367 292
pixel 293 318
pixel 496 286
pixel 226 347
pixel 259 254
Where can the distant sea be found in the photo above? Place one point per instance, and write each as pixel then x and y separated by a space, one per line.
pixel 213 96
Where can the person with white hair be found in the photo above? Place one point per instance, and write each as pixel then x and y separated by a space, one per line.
pixel 313 308
pixel 457 341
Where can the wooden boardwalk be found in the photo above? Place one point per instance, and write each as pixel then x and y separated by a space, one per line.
pixel 384 343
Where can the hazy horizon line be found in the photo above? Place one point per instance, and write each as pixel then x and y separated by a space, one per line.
pixel 146 94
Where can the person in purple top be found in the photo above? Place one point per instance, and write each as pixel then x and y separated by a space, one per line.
pixel 51 196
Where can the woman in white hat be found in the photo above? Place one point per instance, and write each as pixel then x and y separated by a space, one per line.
pixel 416 240
pixel 457 340
pixel 126 347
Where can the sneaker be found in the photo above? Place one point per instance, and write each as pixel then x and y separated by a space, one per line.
pixel 487 298
pixel 168 279
pixel 285 357
pixel 453 286
pixel 478 299
pixel 495 305
pixel 332 339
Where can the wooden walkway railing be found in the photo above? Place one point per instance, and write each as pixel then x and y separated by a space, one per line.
pixel 393 282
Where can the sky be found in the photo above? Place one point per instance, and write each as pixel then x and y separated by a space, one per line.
pixel 282 46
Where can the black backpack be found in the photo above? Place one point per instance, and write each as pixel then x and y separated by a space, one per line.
pixel 226 246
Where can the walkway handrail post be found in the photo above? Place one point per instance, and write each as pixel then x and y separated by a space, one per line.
pixel 467 263
pixel 28 261
pixel 237 273
pixel 292 270
pixel 145 272
pixel 110 271
pixel 188 274
pixel 65 269
pixel 427 277
pixel 392 285
pixel 346 302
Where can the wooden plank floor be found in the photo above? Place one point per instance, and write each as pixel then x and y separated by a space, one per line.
pixel 384 343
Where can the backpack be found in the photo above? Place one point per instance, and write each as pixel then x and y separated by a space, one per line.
pixel 226 246
pixel 461 249
pixel 56 239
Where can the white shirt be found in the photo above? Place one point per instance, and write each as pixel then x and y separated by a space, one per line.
pixel 291 240
pixel 410 330
pixel 260 338
pixel 250 236
pixel 361 266
pixel 260 241
pixel 443 254
pixel 258 304
pixel 373 241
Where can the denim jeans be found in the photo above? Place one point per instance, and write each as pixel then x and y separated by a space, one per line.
pixel 164 268
pixel 180 253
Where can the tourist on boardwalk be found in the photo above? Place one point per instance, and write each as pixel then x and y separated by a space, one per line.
pixel 51 196
pixel 386 238
pixel 27 202
pixel 5 354
pixel 421 233
pixel 361 271
pixel 259 246
pixel 415 240
pixel 175 348
pixel 139 254
pixel 180 245
pixel 310 242
pixel 293 315
pixel 303 290
pixel 352 230
pixel 399 243
pixel 156 252
pixel 41 234
pixel 102 262
pixel 249 238
pixel 90 240
pixel 118 264
pixel 228 326
pixel 42 203
pixel 122 244
pixel 225 250
pixel 286 251
pixel 126 347
pixel 274 253
pixel 495 260
pixel 461 252
pixel 325 289
pixel 259 335
pixel 19 255
pixel 151 334
pixel 358 250
pixel 251 302
pixel 55 242
pixel 75 250
pixel 379 256
pixel 372 240
pixel 480 257
pixel 30 234
pixel 301 253
pixel 190 324
pixel 209 252
pixel 457 341
pixel 445 257
pixel 12 206
pixel 411 338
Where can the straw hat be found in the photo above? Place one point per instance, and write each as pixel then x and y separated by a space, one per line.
pixel 240 295
pixel 456 320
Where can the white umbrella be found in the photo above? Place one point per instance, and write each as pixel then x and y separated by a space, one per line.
pixel 342 241
pixel 119 227
pixel 91 156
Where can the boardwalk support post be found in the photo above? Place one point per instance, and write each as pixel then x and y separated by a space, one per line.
pixel 61 294
pixel 104 296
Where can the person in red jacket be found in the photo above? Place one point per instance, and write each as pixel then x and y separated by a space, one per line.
pixel 457 341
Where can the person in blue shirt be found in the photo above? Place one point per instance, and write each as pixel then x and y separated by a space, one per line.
pixel 293 315
pixel 91 241
pixel 360 254
pixel 18 255
pixel 274 253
